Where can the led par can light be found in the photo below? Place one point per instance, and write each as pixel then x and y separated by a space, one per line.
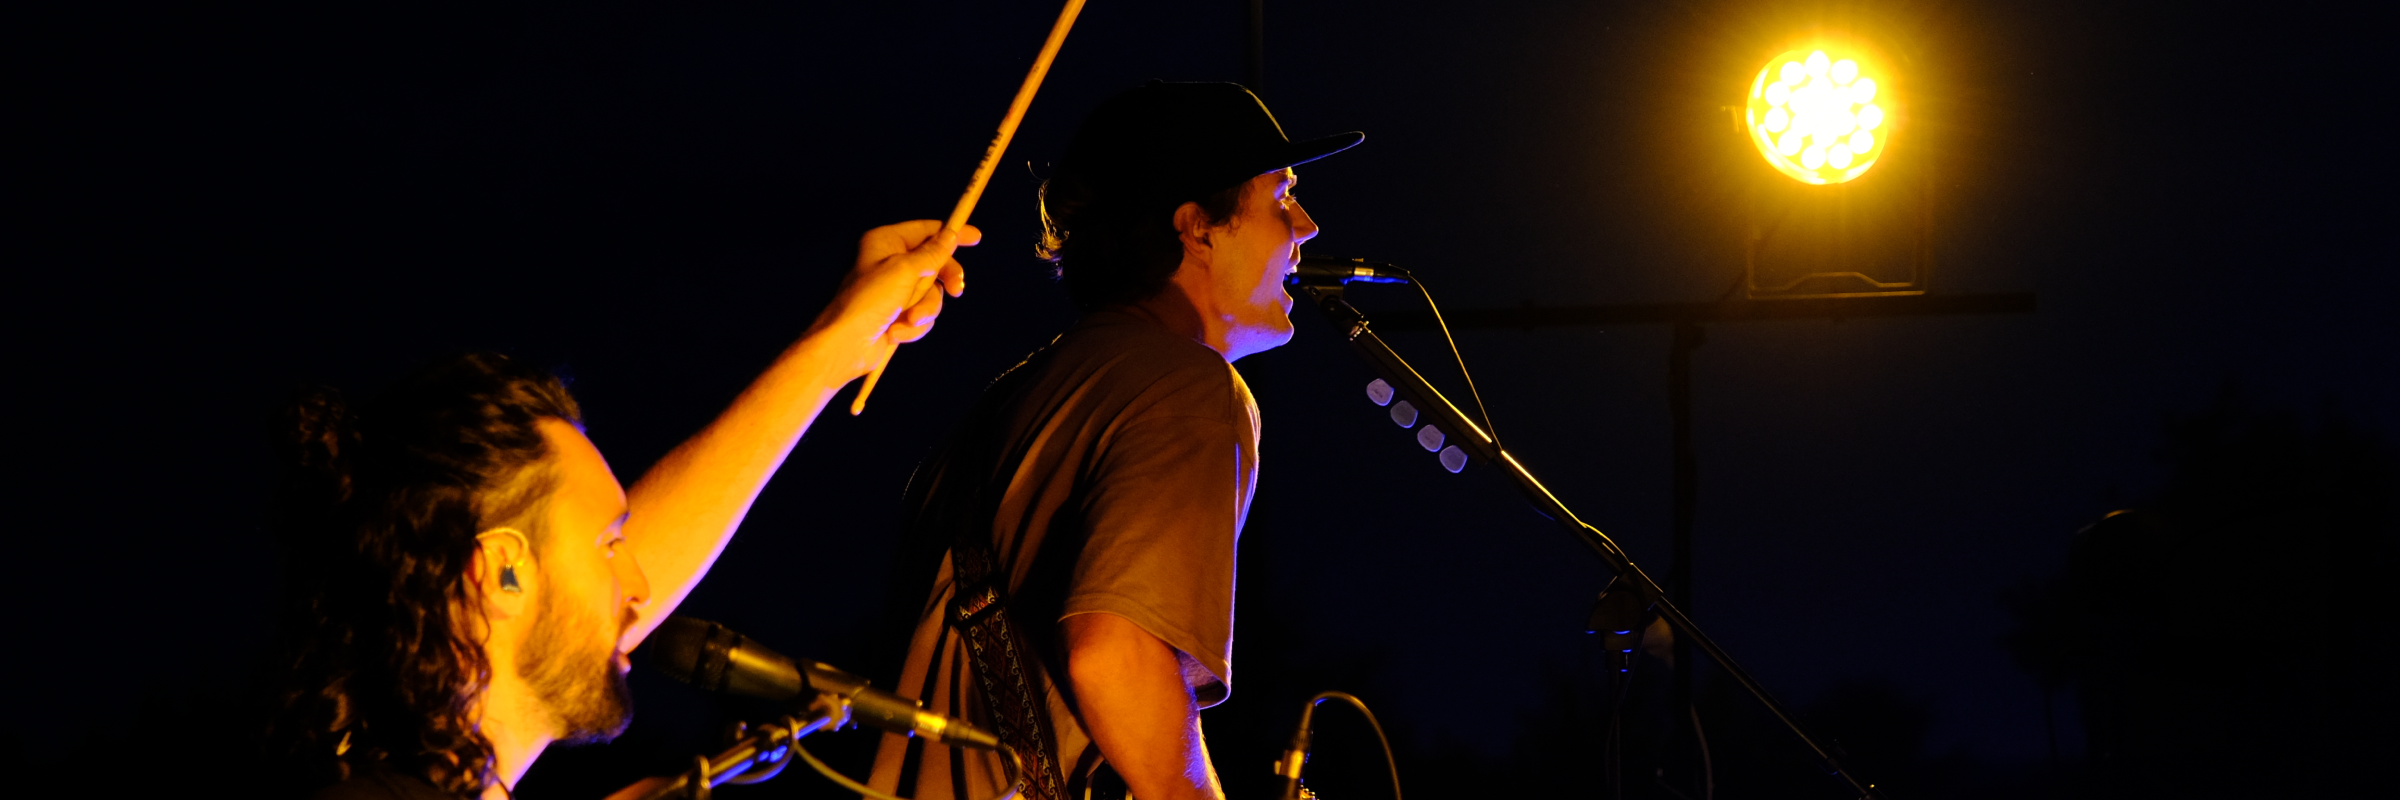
pixel 1822 115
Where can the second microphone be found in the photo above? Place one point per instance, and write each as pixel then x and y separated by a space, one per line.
pixel 715 658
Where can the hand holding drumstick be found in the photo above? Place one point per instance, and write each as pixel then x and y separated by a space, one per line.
pixel 983 175
pixel 884 302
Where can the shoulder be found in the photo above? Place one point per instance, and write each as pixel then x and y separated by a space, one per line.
pixel 1114 334
pixel 1117 371
pixel 381 785
pixel 1153 368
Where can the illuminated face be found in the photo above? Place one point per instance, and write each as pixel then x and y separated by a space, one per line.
pixel 1250 255
pixel 574 657
pixel 1819 117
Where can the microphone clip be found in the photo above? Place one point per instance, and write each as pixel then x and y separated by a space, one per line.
pixel 1329 271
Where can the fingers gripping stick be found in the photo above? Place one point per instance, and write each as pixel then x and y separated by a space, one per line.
pixel 983 175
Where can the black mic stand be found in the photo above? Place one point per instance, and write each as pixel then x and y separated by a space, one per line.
pixel 1618 617
pixel 758 754
pixel 1478 443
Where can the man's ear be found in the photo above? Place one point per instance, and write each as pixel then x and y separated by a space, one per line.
pixel 1193 224
pixel 503 569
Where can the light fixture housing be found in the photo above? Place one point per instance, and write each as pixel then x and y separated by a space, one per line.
pixel 1823 114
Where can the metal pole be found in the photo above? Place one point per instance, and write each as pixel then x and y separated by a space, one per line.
pixel 1685 499
pixel 1254 47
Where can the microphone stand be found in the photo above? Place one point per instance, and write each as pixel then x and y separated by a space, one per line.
pixel 761 753
pixel 1478 443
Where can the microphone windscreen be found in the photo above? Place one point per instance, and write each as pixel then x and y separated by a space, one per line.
pixel 676 647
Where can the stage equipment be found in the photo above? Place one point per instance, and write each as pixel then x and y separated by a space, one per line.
pixel 1471 443
pixel 755 755
pixel 1330 271
pixel 1295 756
pixel 983 172
pixel 1818 114
pixel 759 753
pixel 1840 214
pixel 712 657
pixel 1618 617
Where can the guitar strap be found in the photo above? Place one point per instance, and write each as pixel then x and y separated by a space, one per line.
pixel 998 649
pixel 979 610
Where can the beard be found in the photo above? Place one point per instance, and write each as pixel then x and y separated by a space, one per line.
pixel 569 662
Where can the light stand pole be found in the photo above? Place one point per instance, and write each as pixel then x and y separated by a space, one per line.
pixel 1685 496
pixel 1254 46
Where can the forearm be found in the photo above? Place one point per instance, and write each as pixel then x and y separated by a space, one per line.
pixel 687 506
pixel 1130 689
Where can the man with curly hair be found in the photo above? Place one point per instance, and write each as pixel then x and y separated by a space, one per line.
pixel 470 574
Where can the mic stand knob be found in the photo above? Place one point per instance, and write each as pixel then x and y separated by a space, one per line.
pixel 834 709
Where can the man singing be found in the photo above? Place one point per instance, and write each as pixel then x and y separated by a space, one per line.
pixel 471 574
pixel 1080 526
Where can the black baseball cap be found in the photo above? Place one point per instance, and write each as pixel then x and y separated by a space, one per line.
pixel 1173 142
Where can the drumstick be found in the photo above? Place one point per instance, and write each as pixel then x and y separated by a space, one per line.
pixel 983 175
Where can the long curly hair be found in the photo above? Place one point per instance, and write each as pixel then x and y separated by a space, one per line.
pixel 378 519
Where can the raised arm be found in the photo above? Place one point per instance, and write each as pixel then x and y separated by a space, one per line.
pixel 686 507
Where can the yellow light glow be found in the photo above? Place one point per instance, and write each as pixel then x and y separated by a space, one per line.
pixel 1817 113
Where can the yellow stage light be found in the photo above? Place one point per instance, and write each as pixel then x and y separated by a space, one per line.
pixel 1819 114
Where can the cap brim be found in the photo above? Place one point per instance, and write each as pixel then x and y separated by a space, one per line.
pixel 1294 154
pixel 1323 146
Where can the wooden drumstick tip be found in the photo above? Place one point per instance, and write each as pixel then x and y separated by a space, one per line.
pixel 858 405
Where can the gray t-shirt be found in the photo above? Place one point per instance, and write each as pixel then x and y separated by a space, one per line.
pixel 1112 472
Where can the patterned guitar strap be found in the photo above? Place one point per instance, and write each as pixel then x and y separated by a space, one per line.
pixel 1013 693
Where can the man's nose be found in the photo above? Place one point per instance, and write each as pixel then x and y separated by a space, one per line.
pixel 631 579
pixel 1304 227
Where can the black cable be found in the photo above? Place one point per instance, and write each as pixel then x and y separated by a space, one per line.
pixel 1486 413
pixel 1361 705
pixel 1016 774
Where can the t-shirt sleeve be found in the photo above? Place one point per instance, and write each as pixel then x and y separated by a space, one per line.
pixel 1162 514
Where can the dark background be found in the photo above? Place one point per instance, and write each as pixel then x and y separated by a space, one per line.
pixel 217 203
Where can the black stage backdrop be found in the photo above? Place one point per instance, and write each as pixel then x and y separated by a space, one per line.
pixel 218 202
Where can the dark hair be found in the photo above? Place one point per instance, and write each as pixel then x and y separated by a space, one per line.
pixel 379 519
pixel 1113 248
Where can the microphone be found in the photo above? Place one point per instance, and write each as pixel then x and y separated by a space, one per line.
pixel 714 658
pixel 1331 271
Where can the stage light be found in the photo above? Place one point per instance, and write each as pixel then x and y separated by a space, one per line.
pixel 1821 114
